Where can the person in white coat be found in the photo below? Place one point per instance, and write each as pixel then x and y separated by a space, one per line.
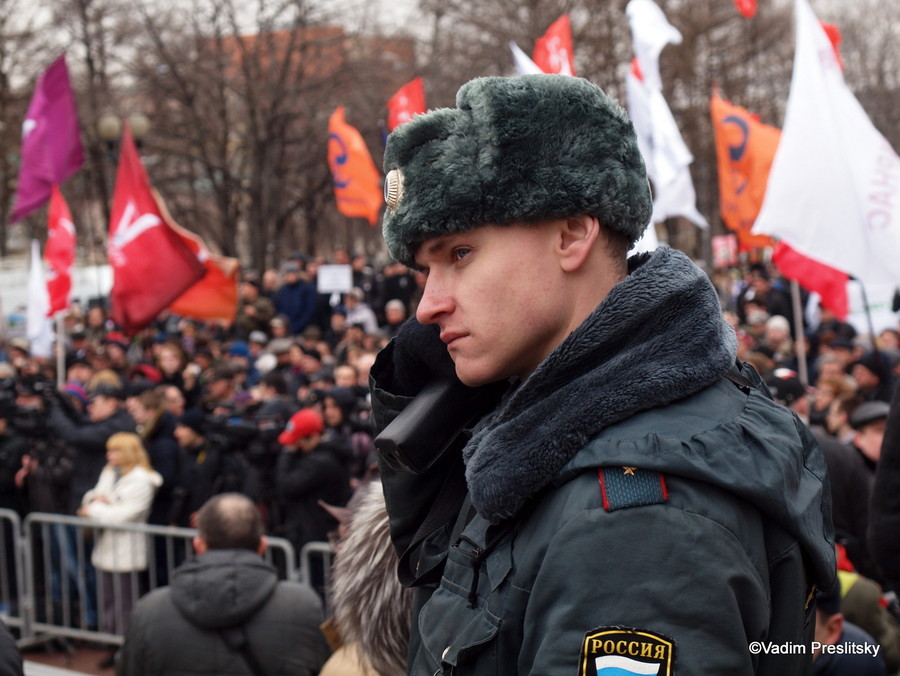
pixel 123 494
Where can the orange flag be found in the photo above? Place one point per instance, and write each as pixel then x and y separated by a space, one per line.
pixel 553 50
pixel 357 182
pixel 745 148
pixel 215 296
pixel 406 103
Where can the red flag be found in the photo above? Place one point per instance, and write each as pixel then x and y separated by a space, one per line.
pixel 406 103
pixel 51 144
pixel 553 50
pixel 812 275
pixel 151 264
pixel 745 148
pixel 59 252
pixel 215 297
pixel 357 182
pixel 747 8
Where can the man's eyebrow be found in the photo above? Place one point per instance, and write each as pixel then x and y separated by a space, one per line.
pixel 431 248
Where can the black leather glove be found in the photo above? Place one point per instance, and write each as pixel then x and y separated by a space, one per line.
pixel 419 357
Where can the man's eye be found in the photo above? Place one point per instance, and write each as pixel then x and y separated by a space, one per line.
pixel 461 253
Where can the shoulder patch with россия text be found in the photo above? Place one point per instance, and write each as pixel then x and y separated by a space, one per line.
pixel 622 651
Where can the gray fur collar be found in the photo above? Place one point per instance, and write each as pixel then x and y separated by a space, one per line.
pixel 657 337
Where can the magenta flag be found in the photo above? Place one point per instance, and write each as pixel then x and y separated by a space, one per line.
pixel 51 142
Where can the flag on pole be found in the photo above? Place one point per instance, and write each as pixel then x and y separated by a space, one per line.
pixel 59 252
pixel 745 148
pixel 665 153
pixel 408 102
pixel 553 51
pixel 38 326
pixel 833 192
pixel 666 156
pixel 523 63
pixel 151 264
pixel 51 142
pixel 357 181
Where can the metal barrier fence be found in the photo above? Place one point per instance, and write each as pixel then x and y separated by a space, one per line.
pixel 12 583
pixel 49 588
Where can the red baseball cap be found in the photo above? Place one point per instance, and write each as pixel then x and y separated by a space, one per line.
pixel 302 424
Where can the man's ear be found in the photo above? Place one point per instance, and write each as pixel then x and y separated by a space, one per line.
pixel 263 545
pixel 835 628
pixel 576 239
pixel 199 546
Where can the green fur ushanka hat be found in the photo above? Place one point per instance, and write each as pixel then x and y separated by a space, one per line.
pixel 515 149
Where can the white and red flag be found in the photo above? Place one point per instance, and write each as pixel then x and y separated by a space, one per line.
pixel 553 51
pixel 151 264
pixel 834 187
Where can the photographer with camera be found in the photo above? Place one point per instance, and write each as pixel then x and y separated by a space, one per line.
pixel 308 472
pixel 106 416
pixel 209 465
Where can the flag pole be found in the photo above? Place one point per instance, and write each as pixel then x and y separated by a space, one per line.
pixel 876 353
pixel 800 342
pixel 60 350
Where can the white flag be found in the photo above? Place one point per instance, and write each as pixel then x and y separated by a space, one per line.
pixel 650 33
pixel 665 153
pixel 38 327
pixel 524 64
pixel 834 188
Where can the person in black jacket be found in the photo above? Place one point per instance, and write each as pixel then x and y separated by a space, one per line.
pixel 884 515
pixel 308 471
pixel 157 429
pixel 223 596
pixel 106 416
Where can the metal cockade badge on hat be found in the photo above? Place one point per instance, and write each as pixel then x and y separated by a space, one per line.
pixel 393 188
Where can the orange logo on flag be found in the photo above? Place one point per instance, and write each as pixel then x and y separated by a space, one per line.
pixel 745 148
pixel 357 182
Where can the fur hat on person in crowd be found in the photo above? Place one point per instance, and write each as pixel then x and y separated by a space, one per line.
pixel 515 149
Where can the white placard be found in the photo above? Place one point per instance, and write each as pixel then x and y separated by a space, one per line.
pixel 334 279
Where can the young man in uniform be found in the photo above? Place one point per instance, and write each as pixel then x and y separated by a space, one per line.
pixel 632 500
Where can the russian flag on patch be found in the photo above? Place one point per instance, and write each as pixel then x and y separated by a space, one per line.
pixel 617 665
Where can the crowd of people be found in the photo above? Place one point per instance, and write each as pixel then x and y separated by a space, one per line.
pixel 148 428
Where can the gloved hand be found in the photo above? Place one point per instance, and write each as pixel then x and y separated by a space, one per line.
pixel 417 356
